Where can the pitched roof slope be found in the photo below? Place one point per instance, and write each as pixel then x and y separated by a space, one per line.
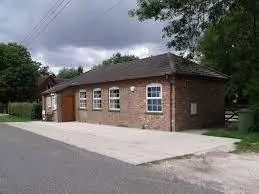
pixel 59 80
pixel 164 64
pixel 42 79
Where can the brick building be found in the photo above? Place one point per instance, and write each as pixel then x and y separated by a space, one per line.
pixel 164 92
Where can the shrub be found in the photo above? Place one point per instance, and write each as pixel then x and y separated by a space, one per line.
pixel 25 110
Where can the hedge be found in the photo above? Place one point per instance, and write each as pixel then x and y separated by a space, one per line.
pixel 25 110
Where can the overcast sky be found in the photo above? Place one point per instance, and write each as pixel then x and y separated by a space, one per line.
pixel 82 34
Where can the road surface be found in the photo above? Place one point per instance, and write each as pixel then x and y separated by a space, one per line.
pixel 31 164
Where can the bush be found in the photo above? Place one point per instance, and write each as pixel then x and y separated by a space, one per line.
pixel 25 110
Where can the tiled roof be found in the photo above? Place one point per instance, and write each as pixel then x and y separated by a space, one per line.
pixel 164 64
pixel 59 80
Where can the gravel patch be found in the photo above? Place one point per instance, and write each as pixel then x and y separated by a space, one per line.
pixel 226 172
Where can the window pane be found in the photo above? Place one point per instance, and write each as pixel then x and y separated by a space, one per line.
pixel 154 91
pixel 159 94
pixel 111 103
pixel 115 93
pixel 153 94
pixel 97 104
pixel 48 101
pixel 97 94
pixel 82 103
pixel 82 94
pixel 114 103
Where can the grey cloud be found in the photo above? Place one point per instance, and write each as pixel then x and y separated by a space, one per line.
pixel 81 25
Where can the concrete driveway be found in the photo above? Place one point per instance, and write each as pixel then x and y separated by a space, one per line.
pixel 134 146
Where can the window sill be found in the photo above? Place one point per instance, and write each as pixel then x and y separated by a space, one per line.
pixel 113 110
pixel 97 109
pixel 154 113
pixel 82 109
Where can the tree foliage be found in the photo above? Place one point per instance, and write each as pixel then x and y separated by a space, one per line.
pixel 230 46
pixel 68 73
pixel 223 33
pixel 188 19
pixel 44 70
pixel 116 58
pixel 18 73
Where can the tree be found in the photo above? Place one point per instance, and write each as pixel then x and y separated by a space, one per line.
pixel 230 46
pixel 18 73
pixel 44 70
pixel 116 58
pixel 68 73
pixel 80 69
pixel 188 19
pixel 222 33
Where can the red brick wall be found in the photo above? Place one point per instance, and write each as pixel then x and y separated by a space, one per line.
pixel 133 105
pixel 209 96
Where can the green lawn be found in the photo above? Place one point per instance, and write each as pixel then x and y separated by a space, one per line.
pixel 249 140
pixel 11 118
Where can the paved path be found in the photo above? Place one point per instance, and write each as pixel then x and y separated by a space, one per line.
pixel 31 164
pixel 131 145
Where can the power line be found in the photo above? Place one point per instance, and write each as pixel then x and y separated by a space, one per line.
pixel 104 13
pixel 107 11
pixel 112 7
pixel 47 24
pixel 34 36
pixel 44 19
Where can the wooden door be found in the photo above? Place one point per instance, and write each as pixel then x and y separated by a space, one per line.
pixel 68 113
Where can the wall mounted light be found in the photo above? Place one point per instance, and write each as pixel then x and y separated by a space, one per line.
pixel 132 88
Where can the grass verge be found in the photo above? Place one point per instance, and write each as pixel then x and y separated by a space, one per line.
pixel 249 140
pixel 12 118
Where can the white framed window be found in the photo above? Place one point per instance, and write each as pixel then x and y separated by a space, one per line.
pixel 48 102
pixel 54 101
pixel 154 97
pixel 82 99
pixel 114 98
pixel 97 99
pixel 194 110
